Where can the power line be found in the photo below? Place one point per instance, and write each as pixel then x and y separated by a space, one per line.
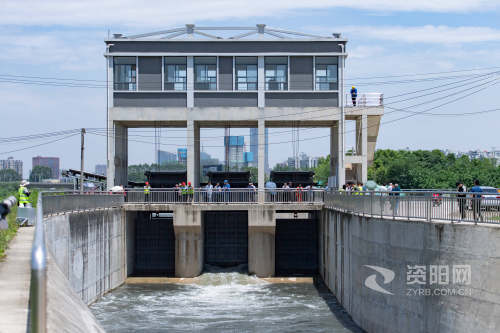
pixel 38 145
pixel 353 78
pixel 43 135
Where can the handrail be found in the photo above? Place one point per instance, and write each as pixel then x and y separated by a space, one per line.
pixel 38 285
pixel 224 196
pixel 451 206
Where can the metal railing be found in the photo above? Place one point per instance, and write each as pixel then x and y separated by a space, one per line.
pixel 427 206
pixel 216 196
pixel 38 286
pixel 365 99
pixel 51 203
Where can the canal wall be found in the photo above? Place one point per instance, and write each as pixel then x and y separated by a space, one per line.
pixel 443 303
pixel 89 247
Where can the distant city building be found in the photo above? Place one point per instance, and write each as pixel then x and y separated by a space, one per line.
pixel 100 169
pixel 49 162
pixel 313 162
pixel 254 148
pixel 11 163
pixel 248 158
pixel 166 157
pixel 493 154
pixel 205 156
pixel 234 151
pixel 182 155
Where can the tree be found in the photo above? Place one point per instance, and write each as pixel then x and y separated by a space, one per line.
pixel 9 175
pixel 40 173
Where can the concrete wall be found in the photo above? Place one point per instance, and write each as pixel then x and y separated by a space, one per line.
pixel 348 243
pixel 148 100
pixel 149 73
pixel 89 247
pixel 301 73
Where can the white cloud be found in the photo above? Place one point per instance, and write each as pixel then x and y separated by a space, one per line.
pixel 425 34
pixel 164 13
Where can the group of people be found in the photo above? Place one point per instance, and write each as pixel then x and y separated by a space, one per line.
pixel 476 200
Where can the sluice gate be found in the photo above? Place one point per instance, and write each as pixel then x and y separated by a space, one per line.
pixel 226 238
pixel 297 246
pixel 154 245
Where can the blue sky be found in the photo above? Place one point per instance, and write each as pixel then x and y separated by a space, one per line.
pixel 64 39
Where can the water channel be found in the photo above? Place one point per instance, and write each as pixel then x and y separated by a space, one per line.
pixel 223 302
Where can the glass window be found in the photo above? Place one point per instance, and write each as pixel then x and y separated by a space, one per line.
pixel 124 73
pixel 205 73
pixel 246 73
pixel 276 71
pixel 326 73
pixel 175 73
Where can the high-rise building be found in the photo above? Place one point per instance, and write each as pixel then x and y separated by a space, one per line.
pixel 254 148
pixel 11 163
pixel 100 169
pixel 49 162
pixel 166 157
pixel 182 155
pixel 234 151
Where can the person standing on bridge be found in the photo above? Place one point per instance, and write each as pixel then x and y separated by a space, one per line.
pixel 354 95
pixel 209 188
pixel 395 198
pixel 226 188
pixel 476 200
pixel 147 190
pixel 462 201
pixel 24 194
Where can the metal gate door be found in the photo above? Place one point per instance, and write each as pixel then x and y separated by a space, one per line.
pixel 296 247
pixel 226 238
pixel 154 246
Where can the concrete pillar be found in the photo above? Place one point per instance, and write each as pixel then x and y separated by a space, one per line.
pixel 193 153
pixel 337 167
pixel 261 85
pixel 190 81
pixel 110 169
pixel 364 148
pixel 261 165
pixel 188 242
pixel 120 158
pixel 261 241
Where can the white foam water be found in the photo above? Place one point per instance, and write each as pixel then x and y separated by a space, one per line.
pixel 225 300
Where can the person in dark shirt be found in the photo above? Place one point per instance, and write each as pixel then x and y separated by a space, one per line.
pixel 461 199
pixel 476 200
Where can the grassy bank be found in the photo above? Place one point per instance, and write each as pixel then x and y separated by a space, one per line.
pixel 8 234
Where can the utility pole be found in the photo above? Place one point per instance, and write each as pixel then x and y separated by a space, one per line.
pixel 82 160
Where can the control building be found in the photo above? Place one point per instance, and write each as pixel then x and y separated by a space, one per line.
pixel 247 77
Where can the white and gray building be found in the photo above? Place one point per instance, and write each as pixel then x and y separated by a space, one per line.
pixel 247 77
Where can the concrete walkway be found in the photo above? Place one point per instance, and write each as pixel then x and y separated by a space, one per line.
pixel 15 283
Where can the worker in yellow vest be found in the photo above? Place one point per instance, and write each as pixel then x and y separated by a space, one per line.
pixel 147 190
pixel 24 194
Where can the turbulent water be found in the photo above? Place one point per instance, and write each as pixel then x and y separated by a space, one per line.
pixel 222 302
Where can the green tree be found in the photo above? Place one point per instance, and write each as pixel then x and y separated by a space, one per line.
pixel 9 175
pixel 40 173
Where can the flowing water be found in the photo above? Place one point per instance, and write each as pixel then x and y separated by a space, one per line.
pixel 222 302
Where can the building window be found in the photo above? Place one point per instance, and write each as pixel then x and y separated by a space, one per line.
pixel 175 73
pixel 205 72
pixel 246 73
pixel 276 73
pixel 326 73
pixel 125 73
